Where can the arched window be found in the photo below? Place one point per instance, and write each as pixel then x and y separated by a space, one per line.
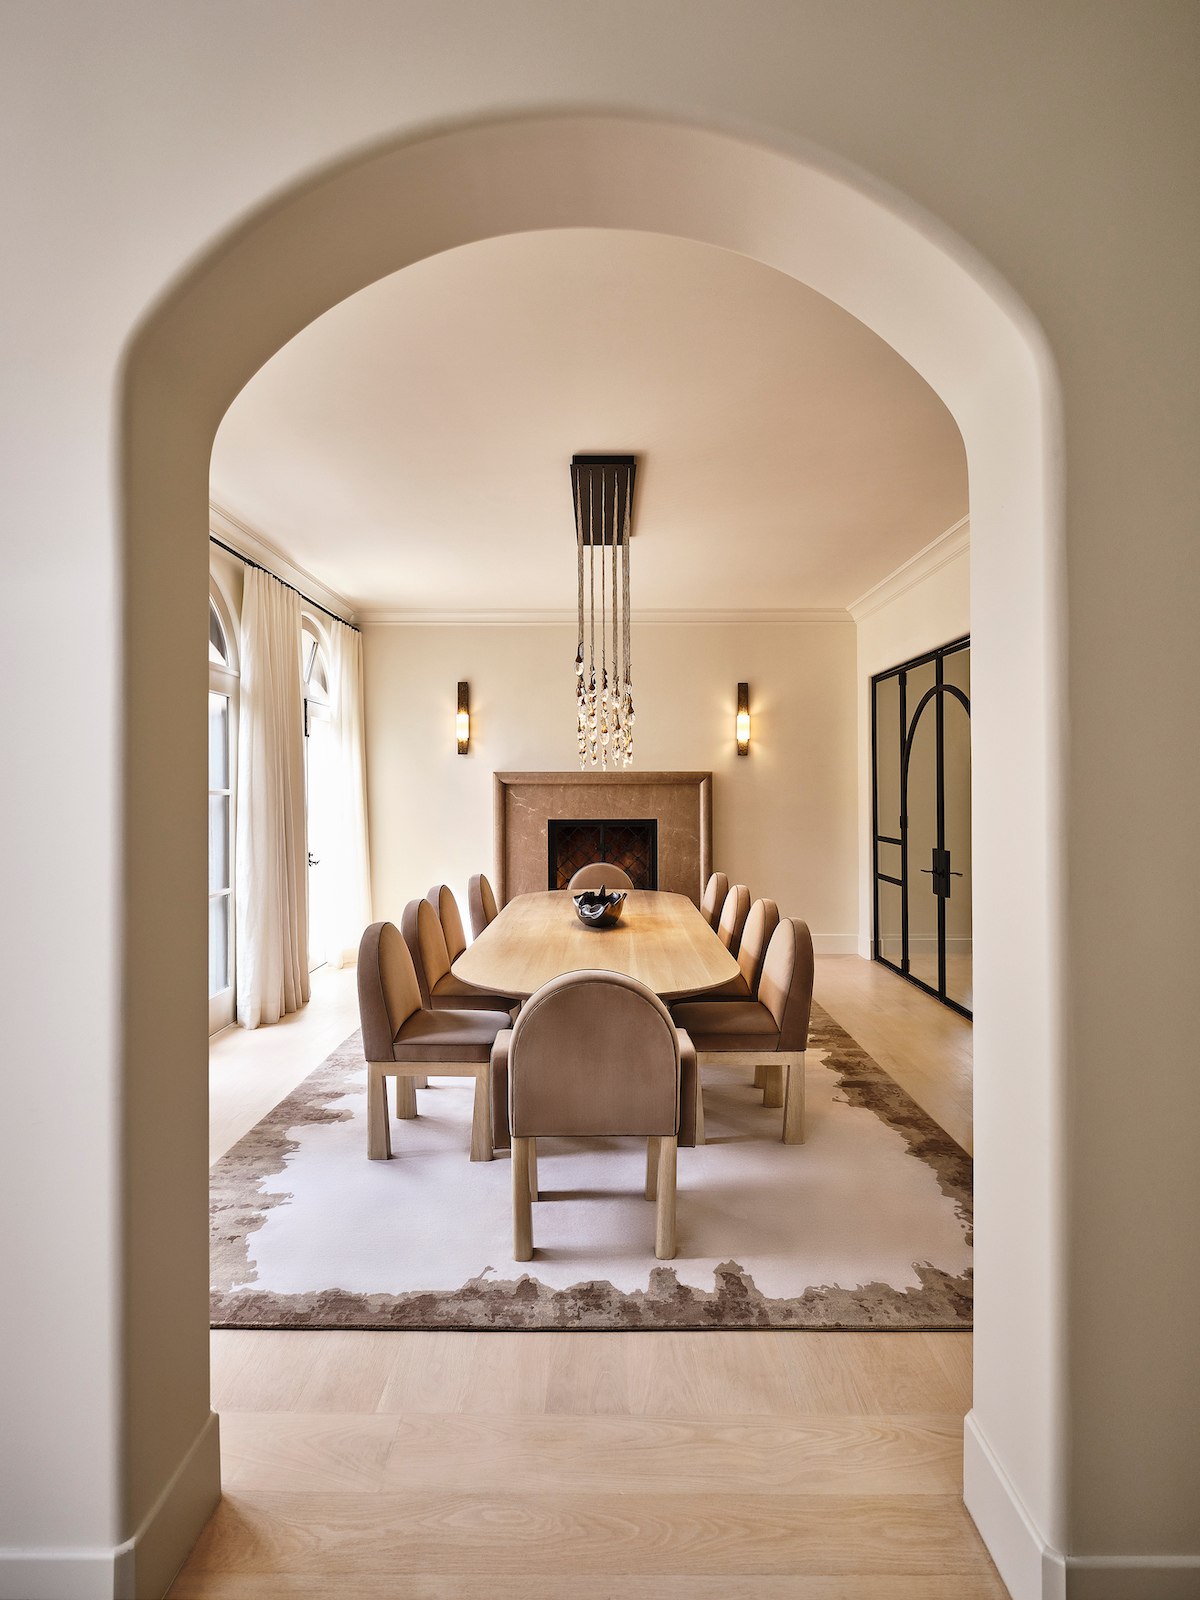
pixel 222 766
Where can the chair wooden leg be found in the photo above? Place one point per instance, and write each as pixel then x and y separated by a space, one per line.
pixel 773 1088
pixel 533 1184
pixel 481 1121
pixel 652 1144
pixel 406 1098
pixel 664 1220
pixel 793 1101
pixel 420 1083
pixel 699 1105
pixel 522 1210
pixel 760 1077
pixel 379 1133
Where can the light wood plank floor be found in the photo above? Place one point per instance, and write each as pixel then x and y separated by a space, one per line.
pixel 925 1046
pixel 653 1466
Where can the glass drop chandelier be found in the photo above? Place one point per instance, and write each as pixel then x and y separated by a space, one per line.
pixel 603 492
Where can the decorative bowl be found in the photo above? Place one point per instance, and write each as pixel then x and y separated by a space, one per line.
pixel 596 909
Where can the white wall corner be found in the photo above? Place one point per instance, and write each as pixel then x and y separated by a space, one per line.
pixel 1030 1568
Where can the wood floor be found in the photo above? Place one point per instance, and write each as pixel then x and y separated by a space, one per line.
pixel 653 1466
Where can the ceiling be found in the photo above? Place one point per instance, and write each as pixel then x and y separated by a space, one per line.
pixel 410 447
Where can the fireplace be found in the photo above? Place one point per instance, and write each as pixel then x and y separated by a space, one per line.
pixel 631 845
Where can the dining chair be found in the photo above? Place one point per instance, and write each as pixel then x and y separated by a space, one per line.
pixel 599 875
pixel 481 903
pixel 761 923
pixel 405 1041
pixel 770 1032
pixel 733 918
pixel 594 1054
pixel 713 899
pixel 441 898
pixel 440 989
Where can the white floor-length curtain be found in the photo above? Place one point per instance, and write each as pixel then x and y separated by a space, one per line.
pixel 272 847
pixel 347 907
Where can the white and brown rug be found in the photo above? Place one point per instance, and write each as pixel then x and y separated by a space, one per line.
pixel 866 1225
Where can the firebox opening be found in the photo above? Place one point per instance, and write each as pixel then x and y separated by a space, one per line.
pixel 632 846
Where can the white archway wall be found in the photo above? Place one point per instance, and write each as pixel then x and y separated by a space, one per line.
pixel 374 218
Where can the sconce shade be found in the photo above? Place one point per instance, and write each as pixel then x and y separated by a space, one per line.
pixel 743 719
pixel 463 720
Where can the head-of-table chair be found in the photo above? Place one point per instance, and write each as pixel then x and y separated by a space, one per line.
pixel 481 903
pixel 405 1041
pixel 770 1032
pixel 599 875
pixel 594 1054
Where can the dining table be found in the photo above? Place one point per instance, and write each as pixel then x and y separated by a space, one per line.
pixel 661 939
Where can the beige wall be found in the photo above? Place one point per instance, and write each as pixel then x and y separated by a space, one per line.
pixel 1049 151
pixel 915 611
pixel 783 815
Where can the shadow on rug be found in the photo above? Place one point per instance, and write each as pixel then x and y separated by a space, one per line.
pixel 244 1202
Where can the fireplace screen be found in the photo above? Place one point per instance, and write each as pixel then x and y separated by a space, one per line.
pixel 632 846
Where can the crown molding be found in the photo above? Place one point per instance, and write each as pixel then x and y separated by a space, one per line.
pixel 915 570
pixel 255 547
pixel 568 619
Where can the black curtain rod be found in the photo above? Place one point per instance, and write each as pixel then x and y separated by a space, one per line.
pixel 246 561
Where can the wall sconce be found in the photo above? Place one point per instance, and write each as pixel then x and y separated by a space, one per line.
pixel 463 720
pixel 743 719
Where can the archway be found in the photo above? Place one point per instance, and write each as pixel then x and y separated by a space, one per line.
pixel 947 315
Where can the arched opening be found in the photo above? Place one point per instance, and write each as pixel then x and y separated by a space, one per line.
pixel 945 314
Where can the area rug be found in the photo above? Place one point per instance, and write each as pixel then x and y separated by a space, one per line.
pixel 867 1225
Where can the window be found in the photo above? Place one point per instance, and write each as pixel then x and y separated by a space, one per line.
pixel 318 778
pixel 222 755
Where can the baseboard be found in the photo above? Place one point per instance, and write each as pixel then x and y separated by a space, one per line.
pixel 142 1568
pixel 835 944
pixel 1032 1569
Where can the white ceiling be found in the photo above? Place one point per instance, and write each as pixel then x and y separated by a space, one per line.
pixel 410 447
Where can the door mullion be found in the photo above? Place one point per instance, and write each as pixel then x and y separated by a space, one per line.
pixel 903 824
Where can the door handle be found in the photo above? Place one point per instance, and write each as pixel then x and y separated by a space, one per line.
pixel 315 861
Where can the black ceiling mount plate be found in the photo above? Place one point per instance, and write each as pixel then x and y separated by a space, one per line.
pixel 600 487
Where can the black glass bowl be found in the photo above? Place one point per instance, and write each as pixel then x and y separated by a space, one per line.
pixel 596 909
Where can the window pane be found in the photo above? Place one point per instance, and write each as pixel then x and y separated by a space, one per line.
pixel 887 756
pixel 218 650
pixel 218 944
pixel 218 741
pixel 890 928
pixel 218 841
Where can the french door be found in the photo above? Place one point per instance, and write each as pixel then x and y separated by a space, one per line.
pixel 921 820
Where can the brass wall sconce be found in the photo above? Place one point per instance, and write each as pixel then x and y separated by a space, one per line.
pixel 743 719
pixel 463 720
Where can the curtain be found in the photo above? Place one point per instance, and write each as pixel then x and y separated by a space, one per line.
pixel 347 907
pixel 272 870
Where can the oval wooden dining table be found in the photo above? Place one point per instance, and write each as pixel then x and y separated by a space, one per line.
pixel 661 939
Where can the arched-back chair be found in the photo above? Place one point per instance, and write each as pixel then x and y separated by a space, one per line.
pixel 403 1040
pixel 441 898
pixel 733 918
pixel 595 1054
pixel 599 875
pixel 770 1032
pixel 440 989
pixel 713 899
pixel 481 903
pixel 756 936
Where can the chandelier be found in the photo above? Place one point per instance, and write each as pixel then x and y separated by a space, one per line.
pixel 602 487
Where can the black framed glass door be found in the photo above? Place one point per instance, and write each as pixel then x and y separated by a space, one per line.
pixel 921 821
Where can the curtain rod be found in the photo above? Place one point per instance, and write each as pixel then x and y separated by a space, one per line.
pixel 246 561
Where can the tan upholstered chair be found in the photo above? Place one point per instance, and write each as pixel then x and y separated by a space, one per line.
pixel 756 936
pixel 713 899
pixel 441 898
pixel 594 1053
pixel 481 903
pixel 770 1032
pixel 440 989
pixel 403 1040
pixel 598 875
pixel 733 918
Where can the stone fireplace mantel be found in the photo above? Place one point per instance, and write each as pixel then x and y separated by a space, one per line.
pixel 524 802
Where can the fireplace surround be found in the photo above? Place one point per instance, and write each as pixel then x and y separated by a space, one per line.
pixel 679 804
